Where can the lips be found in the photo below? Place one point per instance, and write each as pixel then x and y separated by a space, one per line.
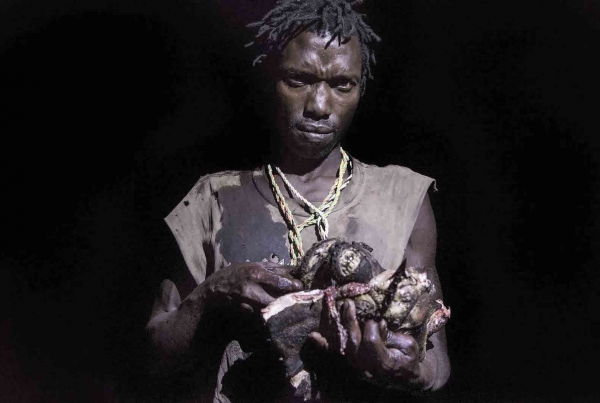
pixel 315 129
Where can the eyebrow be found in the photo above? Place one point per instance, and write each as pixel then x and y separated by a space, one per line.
pixel 293 72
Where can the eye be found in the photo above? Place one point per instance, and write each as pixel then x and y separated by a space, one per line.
pixel 294 82
pixel 343 84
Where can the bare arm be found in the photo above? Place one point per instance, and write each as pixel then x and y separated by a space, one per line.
pixel 174 323
pixel 435 368
pixel 172 326
pixel 394 357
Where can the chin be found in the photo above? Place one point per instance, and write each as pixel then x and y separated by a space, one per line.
pixel 313 151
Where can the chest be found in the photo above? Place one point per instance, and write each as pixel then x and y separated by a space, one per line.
pixel 253 229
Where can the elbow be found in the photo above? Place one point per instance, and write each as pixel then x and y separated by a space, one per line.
pixel 157 331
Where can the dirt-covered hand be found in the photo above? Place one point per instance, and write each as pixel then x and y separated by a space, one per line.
pixel 252 284
pixel 372 347
pixel 379 351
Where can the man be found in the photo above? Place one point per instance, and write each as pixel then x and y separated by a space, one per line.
pixel 236 231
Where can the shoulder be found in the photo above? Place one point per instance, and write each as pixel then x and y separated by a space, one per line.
pixel 210 184
pixel 396 177
pixel 199 198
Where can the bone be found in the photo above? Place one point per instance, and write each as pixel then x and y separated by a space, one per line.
pixel 286 301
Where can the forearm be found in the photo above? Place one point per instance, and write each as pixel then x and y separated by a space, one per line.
pixel 433 374
pixel 172 328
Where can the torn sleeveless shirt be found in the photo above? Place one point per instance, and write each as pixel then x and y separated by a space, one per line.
pixel 232 217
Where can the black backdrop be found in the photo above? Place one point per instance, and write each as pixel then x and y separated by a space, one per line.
pixel 112 110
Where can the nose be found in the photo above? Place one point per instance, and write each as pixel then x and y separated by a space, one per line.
pixel 318 102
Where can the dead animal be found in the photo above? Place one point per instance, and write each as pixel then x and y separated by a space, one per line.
pixel 335 269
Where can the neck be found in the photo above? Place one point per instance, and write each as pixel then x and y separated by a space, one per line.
pixel 307 169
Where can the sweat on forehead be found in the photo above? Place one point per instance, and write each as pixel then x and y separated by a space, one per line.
pixel 336 18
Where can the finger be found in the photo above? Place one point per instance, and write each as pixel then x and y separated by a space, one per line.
pixel 383 329
pixel 256 296
pixel 398 353
pixel 318 340
pixel 246 307
pixel 277 269
pixel 277 282
pixel 351 325
pixel 375 352
pixel 403 351
pixel 372 334
pixel 397 340
pixel 406 344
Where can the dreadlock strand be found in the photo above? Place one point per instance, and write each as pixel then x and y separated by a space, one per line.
pixel 341 23
pixel 350 31
pixel 289 18
pixel 324 19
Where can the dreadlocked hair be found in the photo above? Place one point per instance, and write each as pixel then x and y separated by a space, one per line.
pixel 289 18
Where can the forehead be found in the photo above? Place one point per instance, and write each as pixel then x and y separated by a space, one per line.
pixel 309 52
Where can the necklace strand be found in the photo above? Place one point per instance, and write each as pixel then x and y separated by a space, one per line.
pixel 318 215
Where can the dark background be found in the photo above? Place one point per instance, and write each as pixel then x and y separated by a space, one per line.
pixel 110 111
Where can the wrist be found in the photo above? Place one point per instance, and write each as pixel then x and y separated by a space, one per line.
pixel 195 302
pixel 427 370
pixel 421 378
pixel 425 378
pixel 400 380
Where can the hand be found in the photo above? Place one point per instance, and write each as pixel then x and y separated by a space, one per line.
pixel 254 285
pixel 375 349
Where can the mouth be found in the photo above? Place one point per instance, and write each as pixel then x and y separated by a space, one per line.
pixel 316 129
pixel 315 134
pixel 312 137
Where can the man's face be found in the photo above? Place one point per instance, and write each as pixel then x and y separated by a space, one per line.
pixel 317 92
